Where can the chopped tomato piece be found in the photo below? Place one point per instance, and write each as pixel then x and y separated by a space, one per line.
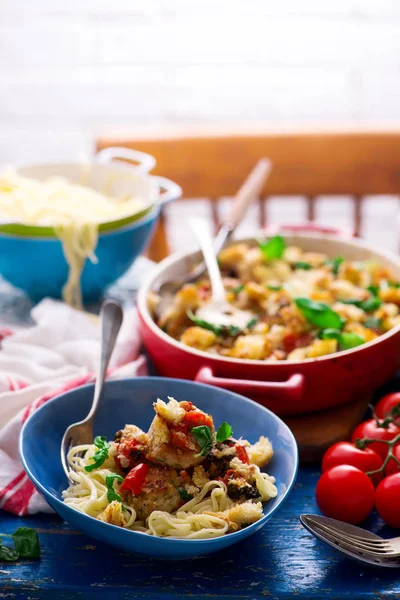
pixel 289 342
pixel 179 440
pixel 126 448
pixel 241 453
pixel 194 418
pixel 135 479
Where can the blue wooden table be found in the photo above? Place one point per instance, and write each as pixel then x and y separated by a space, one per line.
pixel 281 561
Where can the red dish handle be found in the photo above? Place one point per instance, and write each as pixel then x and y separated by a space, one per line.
pixel 291 389
pixel 308 226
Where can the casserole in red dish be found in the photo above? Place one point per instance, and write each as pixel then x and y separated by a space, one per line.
pixel 287 387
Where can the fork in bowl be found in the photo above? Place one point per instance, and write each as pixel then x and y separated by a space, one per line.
pixel 82 432
pixel 354 541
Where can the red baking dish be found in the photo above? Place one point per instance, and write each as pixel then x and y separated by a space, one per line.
pixel 285 387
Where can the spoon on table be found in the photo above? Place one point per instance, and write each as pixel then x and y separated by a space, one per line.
pixel 218 311
pixel 82 432
pixel 249 191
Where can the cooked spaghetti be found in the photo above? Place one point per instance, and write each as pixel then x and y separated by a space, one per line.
pixel 182 479
pixel 74 211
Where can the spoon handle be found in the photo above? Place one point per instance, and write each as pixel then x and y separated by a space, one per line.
pixel 202 232
pixel 111 320
pixel 249 191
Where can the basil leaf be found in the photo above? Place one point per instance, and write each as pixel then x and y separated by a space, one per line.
pixel 374 289
pixel 330 334
pixel 203 436
pixel 373 323
pixel 26 542
pixel 335 263
pixel 112 494
pixel 368 305
pixel 238 289
pixel 319 314
pixel 274 288
pixel 371 304
pixel 219 330
pixel 224 432
pixel 303 265
pixel 101 455
pixel 7 553
pixel 272 248
pixel 184 494
pixel 392 284
pixel 346 339
pixel 350 340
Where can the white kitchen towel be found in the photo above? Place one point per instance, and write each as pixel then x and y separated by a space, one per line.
pixel 58 353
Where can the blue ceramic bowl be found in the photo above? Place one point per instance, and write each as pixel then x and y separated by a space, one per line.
pixel 131 401
pixel 37 264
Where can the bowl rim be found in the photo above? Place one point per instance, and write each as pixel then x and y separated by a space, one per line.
pixel 212 541
pixel 146 287
pixel 106 227
pixel 148 215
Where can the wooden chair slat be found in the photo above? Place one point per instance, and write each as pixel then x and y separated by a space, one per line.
pixel 262 212
pixel 357 215
pixel 311 208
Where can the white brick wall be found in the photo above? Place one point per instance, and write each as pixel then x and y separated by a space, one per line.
pixel 70 68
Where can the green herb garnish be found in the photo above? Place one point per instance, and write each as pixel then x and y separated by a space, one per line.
pixel 373 323
pixel 368 305
pixel 274 288
pixel 346 339
pixel 101 455
pixel 184 494
pixel 224 432
pixel 203 436
pixel 252 322
pixel 319 314
pixel 335 263
pixel 219 330
pixel 112 494
pixel 26 544
pixel 272 248
pixel 374 289
pixel 302 265
pixel 238 289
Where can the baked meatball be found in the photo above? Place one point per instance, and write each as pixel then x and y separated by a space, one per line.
pixel 171 439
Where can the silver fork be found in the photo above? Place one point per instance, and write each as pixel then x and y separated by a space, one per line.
pixel 358 543
pixel 82 432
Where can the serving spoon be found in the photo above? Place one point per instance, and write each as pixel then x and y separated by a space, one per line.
pixel 218 311
pixel 82 431
pixel 248 192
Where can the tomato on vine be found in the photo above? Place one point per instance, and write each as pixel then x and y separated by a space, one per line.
pixel 346 453
pixel 345 493
pixel 372 429
pixel 387 499
pixel 388 405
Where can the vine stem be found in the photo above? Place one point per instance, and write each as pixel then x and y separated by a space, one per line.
pixel 365 442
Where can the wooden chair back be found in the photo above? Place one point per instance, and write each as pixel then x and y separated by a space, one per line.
pixel 310 164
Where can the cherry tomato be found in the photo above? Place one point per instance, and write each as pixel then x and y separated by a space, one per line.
pixel 392 466
pixel 345 453
pixel 387 497
pixel 385 405
pixel 345 493
pixel 370 429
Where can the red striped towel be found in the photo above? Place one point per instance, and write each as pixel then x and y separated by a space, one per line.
pixel 32 356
